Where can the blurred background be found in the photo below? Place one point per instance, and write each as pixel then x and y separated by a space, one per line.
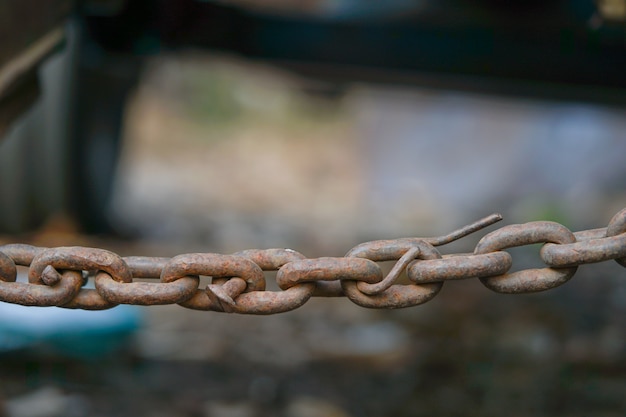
pixel 161 128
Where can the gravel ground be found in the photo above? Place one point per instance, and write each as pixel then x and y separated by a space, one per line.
pixel 271 166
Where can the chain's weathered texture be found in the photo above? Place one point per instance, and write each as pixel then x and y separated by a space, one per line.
pixel 57 276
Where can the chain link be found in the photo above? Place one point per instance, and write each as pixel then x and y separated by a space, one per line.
pixel 57 276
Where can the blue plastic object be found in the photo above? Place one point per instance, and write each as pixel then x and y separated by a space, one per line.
pixel 70 333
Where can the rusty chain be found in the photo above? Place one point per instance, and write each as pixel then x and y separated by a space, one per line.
pixel 57 276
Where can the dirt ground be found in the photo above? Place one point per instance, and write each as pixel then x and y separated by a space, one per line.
pixel 221 158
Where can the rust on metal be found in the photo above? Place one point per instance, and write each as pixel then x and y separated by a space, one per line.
pixel 214 265
pixel 590 234
pixel 617 226
pixel 421 250
pixel 217 297
pixel 392 250
pixel 50 276
pixel 21 254
pixel 8 269
pixel 145 293
pixel 124 291
pixel 397 296
pixel 328 269
pixel 585 252
pixel 32 294
pixel 77 258
pixel 392 276
pixel 394 295
pixel 384 250
pixel 529 280
pixel 270 259
pixel 88 299
pixel 465 230
pixel 56 275
pixel 459 267
pixel 145 266
pixel 225 293
pixel 273 302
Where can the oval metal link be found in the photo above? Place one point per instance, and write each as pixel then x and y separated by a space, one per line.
pixel 31 294
pixel 55 276
pixel 8 269
pixel 396 296
pixel 269 302
pixel 617 226
pixel 384 250
pixel 54 290
pixel 256 302
pixel 21 253
pixel 270 259
pixel 529 280
pixel 585 252
pixel 78 259
pixel 459 267
pixel 594 246
pixel 420 250
pixel 273 302
pixel 146 267
pixel 217 266
pixel 89 299
pixel 145 293
pixel 328 269
pixel 326 273
pixel 590 234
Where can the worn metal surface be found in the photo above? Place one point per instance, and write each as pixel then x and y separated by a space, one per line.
pixel 56 276
pixel 529 280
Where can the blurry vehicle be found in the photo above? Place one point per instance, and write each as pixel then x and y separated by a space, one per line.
pixel 65 156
